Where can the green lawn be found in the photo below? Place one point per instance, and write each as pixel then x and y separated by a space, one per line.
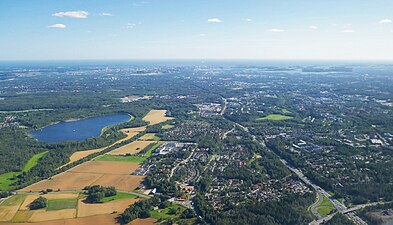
pixel 164 213
pixel 325 208
pixel 151 150
pixel 59 204
pixel 119 195
pixel 275 117
pixel 324 211
pixel 14 200
pixel 6 180
pixel 33 161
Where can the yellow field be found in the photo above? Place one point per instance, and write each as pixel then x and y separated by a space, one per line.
pixel 96 220
pixel 22 216
pixel 8 212
pixel 132 148
pixel 87 174
pixel 119 206
pixel 156 116
pixel 147 137
pixel 120 182
pixel 43 215
pixel 130 132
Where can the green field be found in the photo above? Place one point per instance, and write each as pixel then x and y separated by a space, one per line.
pixel 6 179
pixel 118 196
pixel 59 204
pixel 120 158
pixel 151 150
pixel 14 200
pixel 33 161
pixel 325 208
pixel 275 117
pixel 164 213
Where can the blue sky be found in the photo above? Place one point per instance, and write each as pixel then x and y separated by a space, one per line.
pixel 196 29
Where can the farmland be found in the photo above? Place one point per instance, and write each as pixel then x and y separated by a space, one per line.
pixel 110 169
pixel 131 132
pixel 156 116
pixel 89 173
pixel 131 148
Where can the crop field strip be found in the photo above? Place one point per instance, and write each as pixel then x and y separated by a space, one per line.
pixel 64 207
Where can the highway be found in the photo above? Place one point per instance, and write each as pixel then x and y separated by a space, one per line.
pixel 338 205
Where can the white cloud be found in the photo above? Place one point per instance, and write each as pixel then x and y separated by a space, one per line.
pixel 248 20
pixel 202 35
pixel 347 31
pixel 132 25
pixel 275 30
pixel 385 21
pixel 58 25
pixel 214 20
pixel 73 14
pixel 313 27
pixel 106 14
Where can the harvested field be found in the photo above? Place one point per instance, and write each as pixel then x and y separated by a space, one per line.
pixel 156 116
pixel 131 132
pixel 148 137
pixel 29 199
pixel 85 209
pixel 65 181
pixel 43 215
pixel 134 129
pixel 22 216
pixel 83 175
pixel 96 220
pixel 104 167
pixel 120 182
pixel 8 212
pixel 132 148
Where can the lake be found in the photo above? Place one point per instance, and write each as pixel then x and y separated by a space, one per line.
pixel 78 130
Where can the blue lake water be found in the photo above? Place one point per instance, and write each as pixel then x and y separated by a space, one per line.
pixel 78 130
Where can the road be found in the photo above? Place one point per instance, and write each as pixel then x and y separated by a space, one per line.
pixel 184 162
pixel 338 205
pixel 313 207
